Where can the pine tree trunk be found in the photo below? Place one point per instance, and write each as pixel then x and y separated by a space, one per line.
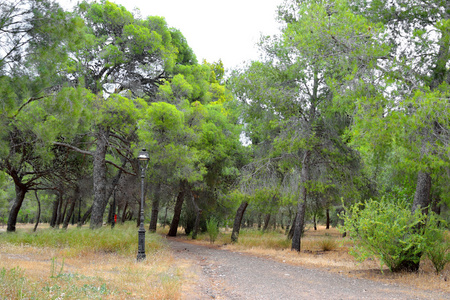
pixel 301 206
pixel 63 214
pixel 237 221
pixel 328 218
pixel 38 216
pixel 99 176
pixel 54 212
pixel 315 221
pixel 85 217
pixel 422 199
pixel 155 208
pixel 73 202
pixel 198 215
pixel 259 221
pixel 266 222
pixel 177 211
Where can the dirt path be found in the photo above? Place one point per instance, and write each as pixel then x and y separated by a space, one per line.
pixel 222 274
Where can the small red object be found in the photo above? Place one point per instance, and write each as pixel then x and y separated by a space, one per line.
pixel 115 218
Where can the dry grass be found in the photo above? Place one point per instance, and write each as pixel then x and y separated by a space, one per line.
pixel 314 254
pixel 35 271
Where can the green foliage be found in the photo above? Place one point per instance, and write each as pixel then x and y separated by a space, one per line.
pixel 387 230
pixel 212 227
pixel 438 243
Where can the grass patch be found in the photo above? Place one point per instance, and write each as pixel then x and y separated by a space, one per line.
pixel 86 264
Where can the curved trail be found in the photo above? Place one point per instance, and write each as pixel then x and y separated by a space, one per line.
pixel 222 274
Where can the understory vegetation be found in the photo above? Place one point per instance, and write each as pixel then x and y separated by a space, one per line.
pixel 85 264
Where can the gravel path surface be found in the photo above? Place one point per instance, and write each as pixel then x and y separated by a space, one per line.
pixel 222 274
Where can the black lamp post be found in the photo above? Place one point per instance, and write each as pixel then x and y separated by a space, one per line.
pixel 143 158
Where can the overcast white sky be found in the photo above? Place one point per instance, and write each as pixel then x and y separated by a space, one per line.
pixel 227 30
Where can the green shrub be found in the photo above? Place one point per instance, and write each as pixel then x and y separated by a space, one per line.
pixel 437 245
pixel 386 230
pixel 212 227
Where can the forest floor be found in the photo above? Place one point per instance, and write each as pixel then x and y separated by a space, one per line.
pixel 225 271
pixel 260 266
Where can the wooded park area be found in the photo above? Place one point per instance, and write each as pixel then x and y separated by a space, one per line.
pixel 345 119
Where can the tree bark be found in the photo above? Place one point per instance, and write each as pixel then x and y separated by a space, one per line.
pixel 315 221
pixel 422 200
pixel 73 202
pixel 290 229
pixel 266 222
pixel 177 211
pixel 328 218
pixel 124 213
pixel 54 212
pixel 63 215
pixel 155 208
pixel 237 221
pixel 259 221
pixel 99 177
pixel 198 215
pixel 301 206
pixel 38 216
pixel 422 196
pixel 21 190
pixel 85 217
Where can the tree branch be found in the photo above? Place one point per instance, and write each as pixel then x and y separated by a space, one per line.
pixel 74 148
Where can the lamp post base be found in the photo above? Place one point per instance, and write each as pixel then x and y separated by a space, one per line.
pixel 141 245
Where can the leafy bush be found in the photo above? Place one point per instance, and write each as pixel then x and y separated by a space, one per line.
pixel 386 230
pixel 212 227
pixel 438 245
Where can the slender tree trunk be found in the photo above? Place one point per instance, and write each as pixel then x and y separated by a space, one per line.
pixel 328 218
pixel 38 216
pixel 59 210
pixel 69 213
pixel 237 221
pixel 198 215
pixel 63 215
pixel 422 199
pixel 165 217
pixel 177 211
pixel 155 208
pixel 12 219
pixel 72 204
pixel 259 221
pixel 124 213
pixel 99 176
pixel 301 206
pixel 54 212
pixel 266 222
pixel 85 217
pixel 291 228
pixel 315 221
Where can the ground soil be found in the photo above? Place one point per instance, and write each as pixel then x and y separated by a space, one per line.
pixel 215 273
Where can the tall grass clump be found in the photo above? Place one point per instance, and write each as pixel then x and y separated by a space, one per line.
pixel 121 240
pixel 267 240
pixel 327 244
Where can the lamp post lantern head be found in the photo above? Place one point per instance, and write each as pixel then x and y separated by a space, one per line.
pixel 143 155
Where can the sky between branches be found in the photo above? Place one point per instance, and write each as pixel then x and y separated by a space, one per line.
pixel 227 30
